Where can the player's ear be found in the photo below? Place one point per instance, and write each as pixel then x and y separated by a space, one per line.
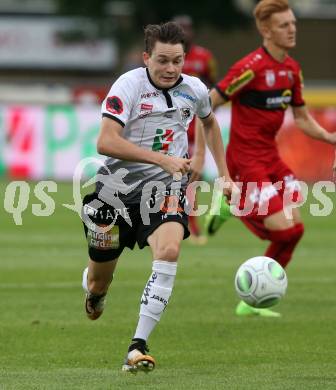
pixel 145 57
pixel 264 29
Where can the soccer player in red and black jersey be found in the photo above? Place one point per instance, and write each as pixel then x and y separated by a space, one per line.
pixel 201 63
pixel 260 87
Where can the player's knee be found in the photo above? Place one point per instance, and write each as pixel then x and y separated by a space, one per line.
pixel 169 251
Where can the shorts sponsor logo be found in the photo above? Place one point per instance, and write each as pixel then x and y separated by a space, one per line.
pixel 104 241
pixel 171 205
pixel 114 105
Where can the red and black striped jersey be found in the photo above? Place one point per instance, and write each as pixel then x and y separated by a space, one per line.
pixel 200 62
pixel 260 89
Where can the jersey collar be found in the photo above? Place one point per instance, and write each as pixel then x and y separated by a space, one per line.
pixel 179 81
pixel 270 55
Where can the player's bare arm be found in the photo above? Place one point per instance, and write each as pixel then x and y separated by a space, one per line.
pixel 216 99
pixel 199 154
pixel 111 143
pixel 309 126
pixel 198 157
pixel 214 141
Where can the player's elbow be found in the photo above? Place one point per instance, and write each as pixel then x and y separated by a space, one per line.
pixel 105 148
pixel 101 148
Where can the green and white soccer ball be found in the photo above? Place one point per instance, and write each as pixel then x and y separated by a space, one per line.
pixel 261 282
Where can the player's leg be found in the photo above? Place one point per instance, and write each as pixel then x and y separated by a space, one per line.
pixel 165 243
pixel 284 235
pixel 284 232
pixel 218 214
pixel 97 278
pixel 106 242
pixel 219 211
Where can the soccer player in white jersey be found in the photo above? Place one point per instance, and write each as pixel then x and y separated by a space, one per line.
pixel 143 133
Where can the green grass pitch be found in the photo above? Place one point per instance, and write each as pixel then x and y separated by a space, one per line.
pixel 46 342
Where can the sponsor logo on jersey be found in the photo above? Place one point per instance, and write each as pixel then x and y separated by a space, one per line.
pixel 162 140
pixel 114 105
pixel 239 82
pixel 145 109
pixel 148 95
pixel 270 78
pixel 184 96
pixel 280 101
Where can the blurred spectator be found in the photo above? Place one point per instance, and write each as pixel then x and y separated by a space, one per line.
pixel 199 61
pixel 133 58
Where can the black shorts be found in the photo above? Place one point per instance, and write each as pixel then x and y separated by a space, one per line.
pixel 108 231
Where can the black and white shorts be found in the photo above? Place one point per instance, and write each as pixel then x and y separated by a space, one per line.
pixel 108 231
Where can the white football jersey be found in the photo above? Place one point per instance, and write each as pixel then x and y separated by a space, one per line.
pixel 154 119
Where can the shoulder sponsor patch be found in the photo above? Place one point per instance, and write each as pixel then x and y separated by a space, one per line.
pixel 239 82
pixel 114 105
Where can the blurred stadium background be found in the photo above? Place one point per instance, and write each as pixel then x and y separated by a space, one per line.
pixel 58 59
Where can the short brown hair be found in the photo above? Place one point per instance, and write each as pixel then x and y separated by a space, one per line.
pixel 266 8
pixel 169 32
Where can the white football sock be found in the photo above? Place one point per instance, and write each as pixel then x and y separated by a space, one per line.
pixel 155 297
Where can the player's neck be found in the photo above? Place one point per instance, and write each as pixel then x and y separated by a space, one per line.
pixel 278 53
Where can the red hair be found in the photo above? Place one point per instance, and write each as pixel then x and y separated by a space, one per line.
pixel 266 8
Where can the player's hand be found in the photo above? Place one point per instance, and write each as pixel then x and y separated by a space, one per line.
pixel 176 166
pixel 196 168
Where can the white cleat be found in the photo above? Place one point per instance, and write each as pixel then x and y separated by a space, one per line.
pixel 137 360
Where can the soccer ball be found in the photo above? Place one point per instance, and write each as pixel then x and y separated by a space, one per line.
pixel 261 282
